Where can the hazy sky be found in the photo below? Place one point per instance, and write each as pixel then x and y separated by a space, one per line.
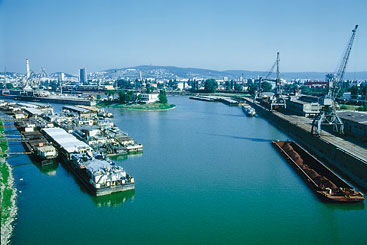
pixel 311 35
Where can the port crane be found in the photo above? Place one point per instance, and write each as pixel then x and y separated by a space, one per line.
pixel 277 100
pixel 328 115
pixel 259 90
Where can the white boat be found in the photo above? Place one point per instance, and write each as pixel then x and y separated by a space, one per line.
pixel 249 110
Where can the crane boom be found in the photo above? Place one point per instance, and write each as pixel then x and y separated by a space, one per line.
pixel 343 65
pixel 327 115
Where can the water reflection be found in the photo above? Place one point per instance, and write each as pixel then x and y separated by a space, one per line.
pixel 345 206
pixel 239 137
pixel 118 158
pixel 113 200
pixel 49 170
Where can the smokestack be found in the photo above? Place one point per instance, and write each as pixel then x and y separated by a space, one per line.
pixel 28 71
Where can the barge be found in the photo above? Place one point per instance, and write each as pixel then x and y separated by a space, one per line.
pixel 323 181
pixel 99 175
pixel 42 152
pixel 66 100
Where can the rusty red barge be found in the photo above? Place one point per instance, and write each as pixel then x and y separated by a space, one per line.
pixel 323 181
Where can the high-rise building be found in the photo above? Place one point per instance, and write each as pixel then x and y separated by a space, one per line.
pixel 62 76
pixel 83 76
pixel 28 70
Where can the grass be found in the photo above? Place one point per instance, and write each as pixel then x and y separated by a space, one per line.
pixel 5 173
pixel 7 193
pixel 138 107
pixel 348 107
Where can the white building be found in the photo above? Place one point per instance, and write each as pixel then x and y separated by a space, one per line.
pixel 149 98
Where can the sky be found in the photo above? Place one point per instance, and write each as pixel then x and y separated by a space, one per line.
pixel 67 35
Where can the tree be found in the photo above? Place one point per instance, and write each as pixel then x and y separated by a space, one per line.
pixel 9 86
pixel 122 83
pixel 194 85
pixel 125 97
pixel 266 86
pixel 139 97
pixel 150 89
pixel 252 88
pixel 364 91
pixel 162 97
pixel 354 92
pixel 210 86
pixel 227 85
pixel 238 87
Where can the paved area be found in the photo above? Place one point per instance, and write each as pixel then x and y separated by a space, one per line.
pixel 357 149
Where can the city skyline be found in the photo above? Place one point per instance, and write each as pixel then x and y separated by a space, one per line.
pixel 235 35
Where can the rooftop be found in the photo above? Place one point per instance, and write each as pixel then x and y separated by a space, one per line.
pixel 76 109
pixel 355 116
pixel 68 141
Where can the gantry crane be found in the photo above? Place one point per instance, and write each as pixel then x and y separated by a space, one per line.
pixel 327 115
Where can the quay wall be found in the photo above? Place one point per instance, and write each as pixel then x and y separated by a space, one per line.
pixel 352 167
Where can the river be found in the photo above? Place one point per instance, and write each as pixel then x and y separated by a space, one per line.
pixel 208 175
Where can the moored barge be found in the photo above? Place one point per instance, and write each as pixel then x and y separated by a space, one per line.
pixel 41 151
pixel 100 176
pixel 323 181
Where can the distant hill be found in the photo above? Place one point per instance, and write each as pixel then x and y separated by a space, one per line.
pixel 172 72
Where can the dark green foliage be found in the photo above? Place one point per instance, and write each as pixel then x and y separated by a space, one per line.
pixel 122 83
pixel 315 91
pixel 266 86
pixel 252 88
pixel 237 87
pixel 354 92
pixel 210 86
pixel 9 86
pixel 194 85
pixel 362 108
pixel 125 97
pixel 150 89
pixel 162 97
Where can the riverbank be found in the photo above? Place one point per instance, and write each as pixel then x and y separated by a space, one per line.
pixel 138 107
pixel 8 192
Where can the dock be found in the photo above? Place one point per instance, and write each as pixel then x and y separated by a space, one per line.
pixel 348 158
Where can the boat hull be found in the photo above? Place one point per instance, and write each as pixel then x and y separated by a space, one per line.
pixel 323 182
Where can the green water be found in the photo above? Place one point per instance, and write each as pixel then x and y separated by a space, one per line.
pixel 208 175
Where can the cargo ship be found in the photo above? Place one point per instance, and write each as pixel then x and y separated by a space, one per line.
pixel 323 181
pixel 99 175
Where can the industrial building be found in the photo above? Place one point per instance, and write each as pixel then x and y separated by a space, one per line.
pixel 303 106
pixel 355 124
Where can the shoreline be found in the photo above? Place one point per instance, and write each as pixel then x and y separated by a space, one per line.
pixel 8 195
pixel 131 108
